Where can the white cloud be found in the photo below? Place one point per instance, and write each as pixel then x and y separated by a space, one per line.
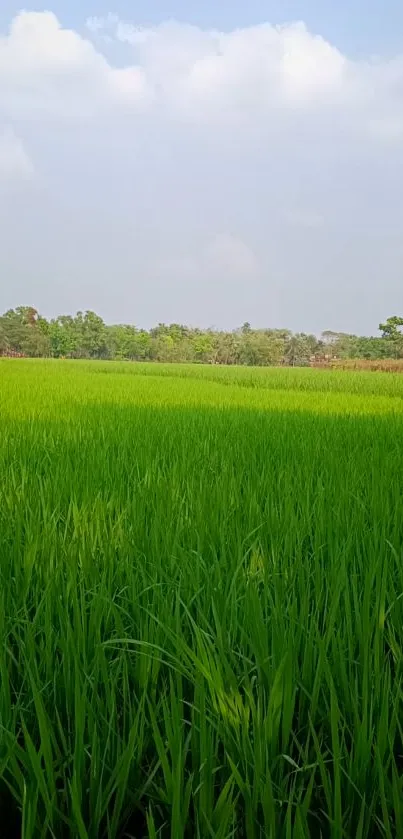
pixel 47 69
pixel 14 161
pixel 262 73
pixel 198 170
pixel 261 64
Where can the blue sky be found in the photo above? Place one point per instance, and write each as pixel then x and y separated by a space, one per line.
pixel 169 161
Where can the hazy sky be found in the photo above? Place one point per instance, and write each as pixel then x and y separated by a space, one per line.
pixel 176 161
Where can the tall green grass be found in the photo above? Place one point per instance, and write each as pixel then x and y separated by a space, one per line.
pixel 201 586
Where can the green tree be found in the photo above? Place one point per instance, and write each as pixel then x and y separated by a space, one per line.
pixel 91 335
pixel 23 331
pixel 4 343
pixel 227 348
pixel 13 331
pixel 392 327
pixel 27 315
pixel 203 347
pixel 124 341
pixel 392 333
pixel 36 344
pixel 63 337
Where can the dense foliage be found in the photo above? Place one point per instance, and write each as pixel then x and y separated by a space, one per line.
pixel 201 608
pixel 25 332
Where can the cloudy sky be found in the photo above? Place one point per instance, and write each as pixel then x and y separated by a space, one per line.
pixel 175 161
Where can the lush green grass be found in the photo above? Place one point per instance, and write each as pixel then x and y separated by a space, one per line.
pixel 201 602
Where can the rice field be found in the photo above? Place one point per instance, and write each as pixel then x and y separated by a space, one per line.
pixel 201 585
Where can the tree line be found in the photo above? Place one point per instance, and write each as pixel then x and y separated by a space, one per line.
pixel 25 332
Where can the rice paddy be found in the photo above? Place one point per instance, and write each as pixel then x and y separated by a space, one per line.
pixel 201 585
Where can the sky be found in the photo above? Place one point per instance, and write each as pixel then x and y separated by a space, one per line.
pixel 203 163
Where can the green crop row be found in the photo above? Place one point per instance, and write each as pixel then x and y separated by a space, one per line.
pixel 201 585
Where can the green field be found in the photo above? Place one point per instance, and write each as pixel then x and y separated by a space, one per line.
pixel 201 602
